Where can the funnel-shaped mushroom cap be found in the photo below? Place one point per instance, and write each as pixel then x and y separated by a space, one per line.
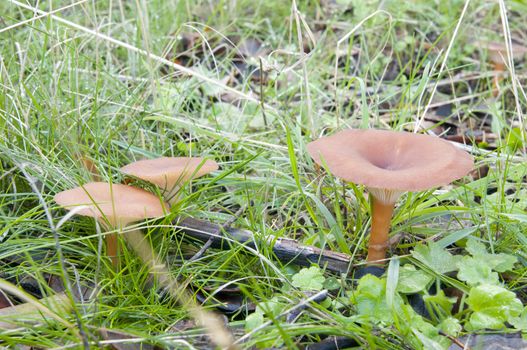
pixel 398 161
pixel 119 204
pixel 167 172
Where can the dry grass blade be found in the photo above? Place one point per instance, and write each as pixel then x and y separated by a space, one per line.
pixel 443 66
pixel 510 63
pixel 342 40
pixel 142 52
pixel 32 306
pixel 32 19
pixel 309 105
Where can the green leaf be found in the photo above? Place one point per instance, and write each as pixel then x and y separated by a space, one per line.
pixel 392 277
pixel 429 343
pixel 475 271
pixel 520 322
pixel 515 139
pixel 499 262
pixel 435 257
pixel 450 326
pixel 516 172
pixel 475 247
pixel 426 333
pixel 440 302
pixel 253 321
pixel 271 307
pixel 258 120
pixel 309 279
pixel 370 299
pixel 332 283
pixel 411 280
pixel 492 306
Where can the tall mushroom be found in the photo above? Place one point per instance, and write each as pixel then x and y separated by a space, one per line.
pixel 498 56
pixel 114 206
pixel 170 173
pixel 389 163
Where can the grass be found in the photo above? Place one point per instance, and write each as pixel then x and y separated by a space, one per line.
pixel 76 92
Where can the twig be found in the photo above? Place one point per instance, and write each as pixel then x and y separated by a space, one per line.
pixel 455 341
pixel 221 228
pixel 286 250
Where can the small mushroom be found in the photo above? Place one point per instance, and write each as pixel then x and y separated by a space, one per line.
pixel 115 206
pixel 170 173
pixel 497 56
pixel 389 163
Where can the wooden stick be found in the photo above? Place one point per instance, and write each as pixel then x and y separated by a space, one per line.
pixel 286 250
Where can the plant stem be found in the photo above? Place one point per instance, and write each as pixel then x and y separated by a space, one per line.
pixel 499 68
pixel 381 214
pixel 112 249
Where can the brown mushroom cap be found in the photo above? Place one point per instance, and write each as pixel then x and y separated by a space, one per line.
pixel 167 172
pixel 119 204
pixel 391 160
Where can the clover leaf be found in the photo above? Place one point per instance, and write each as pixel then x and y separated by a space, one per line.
pixel 412 280
pixel 435 257
pixel 498 262
pixel 474 271
pixel 521 321
pixel 254 320
pixel 370 299
pixel 309 279
pixel 450 326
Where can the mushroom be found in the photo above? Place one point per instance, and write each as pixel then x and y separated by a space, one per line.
pixel 498 56
pixel 117 206
pixel 169 173
pixel 114 206
pixel 389 163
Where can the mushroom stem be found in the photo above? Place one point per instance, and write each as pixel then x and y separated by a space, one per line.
pixel 499 68
pixel 112 249
pixel 111 241
pixel 380 226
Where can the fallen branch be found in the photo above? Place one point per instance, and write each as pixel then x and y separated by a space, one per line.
pixel 286 250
